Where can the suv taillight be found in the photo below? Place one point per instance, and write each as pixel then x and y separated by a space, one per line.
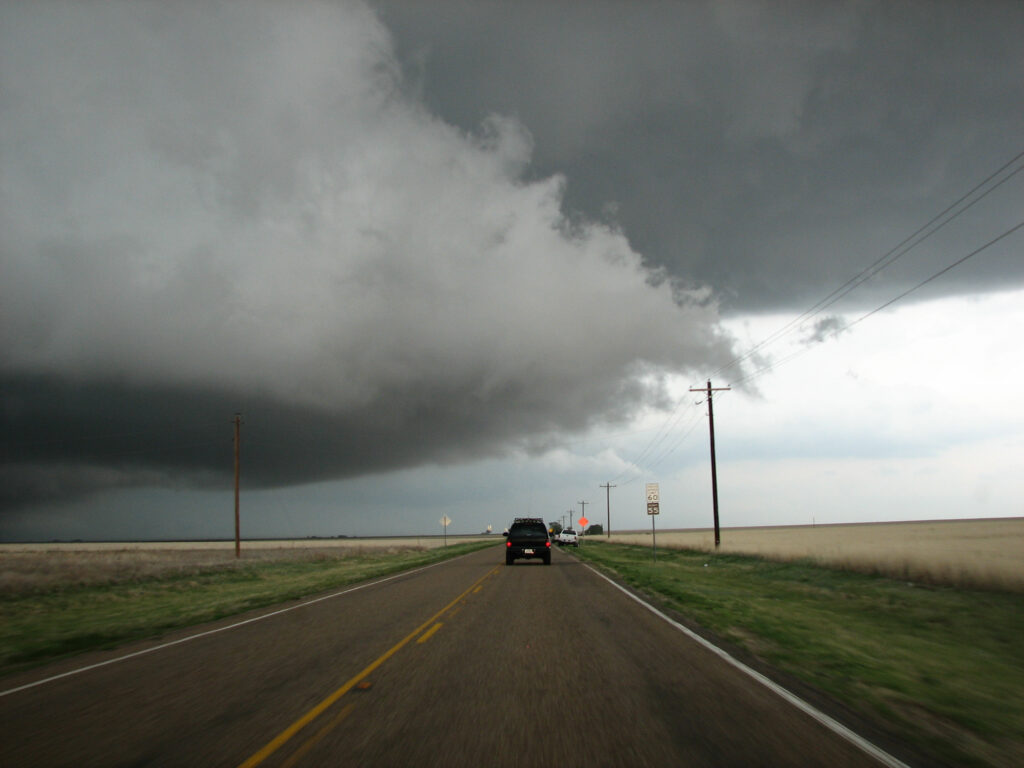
pixel 547 544
pixel 508 543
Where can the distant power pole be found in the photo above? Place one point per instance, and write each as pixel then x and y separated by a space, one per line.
pixel 583 508
pixel 608 510
pixel 714 471
pixel 238 440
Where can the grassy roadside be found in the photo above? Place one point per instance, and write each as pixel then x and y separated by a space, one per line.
pixel 39 626
pixel 942 668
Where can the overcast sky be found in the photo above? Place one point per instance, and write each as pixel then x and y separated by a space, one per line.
pixel 468 258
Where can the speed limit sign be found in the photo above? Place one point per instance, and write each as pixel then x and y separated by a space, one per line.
pixel 653 499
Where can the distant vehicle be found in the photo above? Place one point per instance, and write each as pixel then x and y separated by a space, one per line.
pixel 568 537
pixel 527 538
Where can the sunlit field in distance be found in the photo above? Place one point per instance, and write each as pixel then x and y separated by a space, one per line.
pixel 967 553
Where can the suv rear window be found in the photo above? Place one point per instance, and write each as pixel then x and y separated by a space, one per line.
pixel 536 529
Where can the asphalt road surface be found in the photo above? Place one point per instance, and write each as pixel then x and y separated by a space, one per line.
pixel 465 663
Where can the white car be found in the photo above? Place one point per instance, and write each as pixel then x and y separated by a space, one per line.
pixel 568 536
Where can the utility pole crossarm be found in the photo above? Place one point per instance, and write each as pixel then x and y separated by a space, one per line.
pixel 709 389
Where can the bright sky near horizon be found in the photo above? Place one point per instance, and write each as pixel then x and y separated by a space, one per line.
pixel 470 261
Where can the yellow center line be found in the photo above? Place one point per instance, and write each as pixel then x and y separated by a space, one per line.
pixel 282 738
pixel 429 633
pixel 314 740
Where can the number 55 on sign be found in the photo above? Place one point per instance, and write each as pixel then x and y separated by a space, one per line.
pixel 653 498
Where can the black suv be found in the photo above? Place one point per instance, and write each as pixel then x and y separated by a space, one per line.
pixel 528 537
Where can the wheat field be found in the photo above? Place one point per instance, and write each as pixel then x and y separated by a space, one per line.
pixel 36 567
pixel 964 553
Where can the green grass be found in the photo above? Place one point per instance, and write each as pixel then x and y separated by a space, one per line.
pixel 40 626
pixel 941 668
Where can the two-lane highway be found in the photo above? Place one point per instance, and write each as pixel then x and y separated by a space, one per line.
pixel 466 663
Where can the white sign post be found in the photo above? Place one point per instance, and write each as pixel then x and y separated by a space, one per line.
pixel 653 509
pixel 444 523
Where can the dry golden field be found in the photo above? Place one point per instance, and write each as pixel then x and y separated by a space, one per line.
pixel 37 567
pixel 226 545
pixel 966 553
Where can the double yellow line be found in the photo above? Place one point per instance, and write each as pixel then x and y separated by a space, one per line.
pixel 282 738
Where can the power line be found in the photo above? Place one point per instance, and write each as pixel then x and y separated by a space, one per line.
pixel 936 223
pixel 941 272
pixel 889 303
pixel 664 431
pixel 692 427
pixel 890 257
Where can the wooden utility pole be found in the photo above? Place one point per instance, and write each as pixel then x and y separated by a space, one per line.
pixel 238 439
pixel 714 471
pixel 608 509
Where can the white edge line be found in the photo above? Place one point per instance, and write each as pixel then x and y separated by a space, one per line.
pixel 127 656
pixel 833 725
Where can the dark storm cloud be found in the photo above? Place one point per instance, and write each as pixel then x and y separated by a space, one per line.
pixel 771 152
pixel 66 440
pixel 214 208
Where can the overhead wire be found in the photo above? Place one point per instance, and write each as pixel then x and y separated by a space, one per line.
pixel 940 273
pixel 888 303
pixel 890 257
pixel 682 439
pixel 669 424
pixel 953 211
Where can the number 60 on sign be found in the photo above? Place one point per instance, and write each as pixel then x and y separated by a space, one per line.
pixel 653 498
